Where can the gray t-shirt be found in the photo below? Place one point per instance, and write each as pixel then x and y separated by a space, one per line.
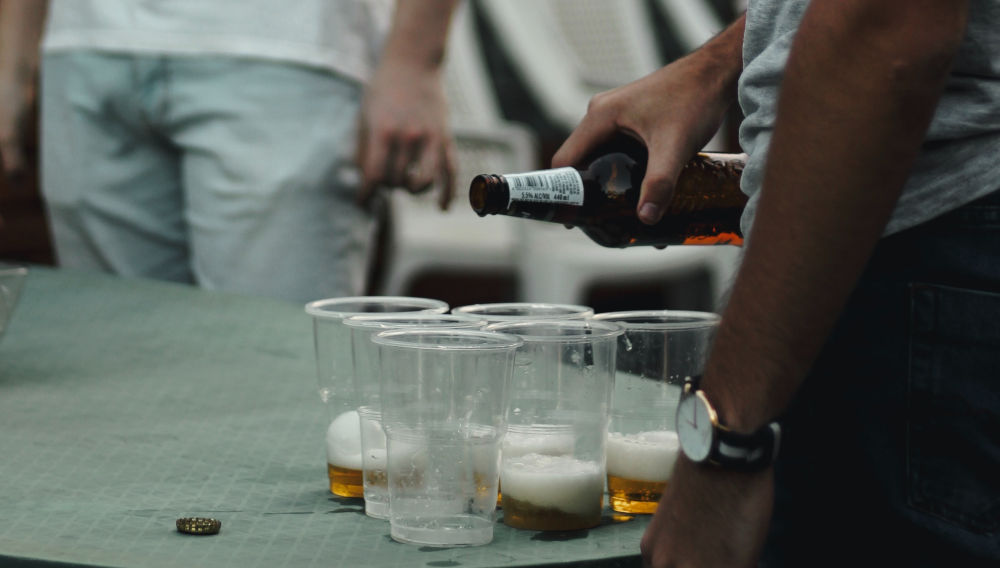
pixel 960 158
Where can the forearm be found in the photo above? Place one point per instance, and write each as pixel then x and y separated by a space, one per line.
pixel 860 87
pixel 419 33
pixel 404 139
pixel 719 62
pixel 21 23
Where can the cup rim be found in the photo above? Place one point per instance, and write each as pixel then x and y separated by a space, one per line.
pixel 319 308
pixel 599 329
pixel 661 319
pixel 407 339
pixel 571 311
pixel 385 320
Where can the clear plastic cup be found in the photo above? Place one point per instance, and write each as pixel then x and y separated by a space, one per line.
pixel 501 312
pixel 552 461
pixel 374 460
pixel 658 350
pixel 444 401
pixel 366 384
pixel 334 371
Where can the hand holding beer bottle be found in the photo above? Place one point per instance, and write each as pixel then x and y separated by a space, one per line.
pixel 705 208
pixel 645 182
pixel 673 112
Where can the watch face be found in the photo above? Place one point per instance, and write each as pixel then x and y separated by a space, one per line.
pixel 694 427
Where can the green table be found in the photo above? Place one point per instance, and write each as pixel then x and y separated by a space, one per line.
pixel 125 404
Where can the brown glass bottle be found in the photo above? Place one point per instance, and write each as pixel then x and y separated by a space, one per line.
pixel 601 200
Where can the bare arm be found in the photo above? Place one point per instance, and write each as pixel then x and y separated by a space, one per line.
pixel 21 23
pixel 404 138
pixel 861 84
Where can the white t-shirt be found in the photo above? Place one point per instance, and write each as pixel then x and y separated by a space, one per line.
pixel 344 36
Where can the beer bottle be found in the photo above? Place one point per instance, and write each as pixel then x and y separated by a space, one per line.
pixel 601 200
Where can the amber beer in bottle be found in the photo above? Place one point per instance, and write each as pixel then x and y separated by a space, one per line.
pixel 601 200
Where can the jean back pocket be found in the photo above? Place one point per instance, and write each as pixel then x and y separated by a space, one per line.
pixel 953 430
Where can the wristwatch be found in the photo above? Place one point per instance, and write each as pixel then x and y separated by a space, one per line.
pixel 704 439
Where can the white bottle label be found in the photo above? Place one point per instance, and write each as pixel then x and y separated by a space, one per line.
pixel 560 186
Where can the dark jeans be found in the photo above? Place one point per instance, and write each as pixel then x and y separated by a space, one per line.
pixel 891 453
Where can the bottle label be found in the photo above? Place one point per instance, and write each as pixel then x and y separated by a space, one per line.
pixel 562 186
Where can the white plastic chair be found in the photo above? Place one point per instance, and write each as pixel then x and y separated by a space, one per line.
pixel 561 265
pixel 692 21
pixel 565 51
pixel 422 237
pixel 425 239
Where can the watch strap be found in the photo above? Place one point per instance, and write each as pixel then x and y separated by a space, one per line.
pixel 741 452
pixel 747 452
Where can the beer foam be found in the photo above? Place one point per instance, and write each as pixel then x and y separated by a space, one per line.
pixel 343 441
pixel 518 443
pixel 558 482
pixel 646 456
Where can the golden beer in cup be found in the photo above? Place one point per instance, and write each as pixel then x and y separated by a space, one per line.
pixel 335 375
pixel 658 350
pixel 552 493
pixel 343 455
pixel 639 467
pixel 345 482
pixel 552 464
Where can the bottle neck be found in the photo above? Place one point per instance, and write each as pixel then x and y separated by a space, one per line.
pixel 536 194
pixel 489 194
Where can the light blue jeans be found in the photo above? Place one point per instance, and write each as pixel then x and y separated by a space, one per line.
pixel 222 172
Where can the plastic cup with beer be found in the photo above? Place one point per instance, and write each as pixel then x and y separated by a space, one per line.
pixel 444 401
pixel 366 383
pixel 552 460
pixel 501 312
pixel 335 373
pixel 658 350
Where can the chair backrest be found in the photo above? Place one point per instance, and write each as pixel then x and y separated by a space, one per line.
pixel 472 100
pixel 612 42
pixel 565 51
pixel 693 22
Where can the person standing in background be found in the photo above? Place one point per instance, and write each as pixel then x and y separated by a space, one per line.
pixel 20 29
pixel 863 319
pixel 235 144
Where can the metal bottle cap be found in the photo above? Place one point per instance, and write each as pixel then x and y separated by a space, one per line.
pixel 198 525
